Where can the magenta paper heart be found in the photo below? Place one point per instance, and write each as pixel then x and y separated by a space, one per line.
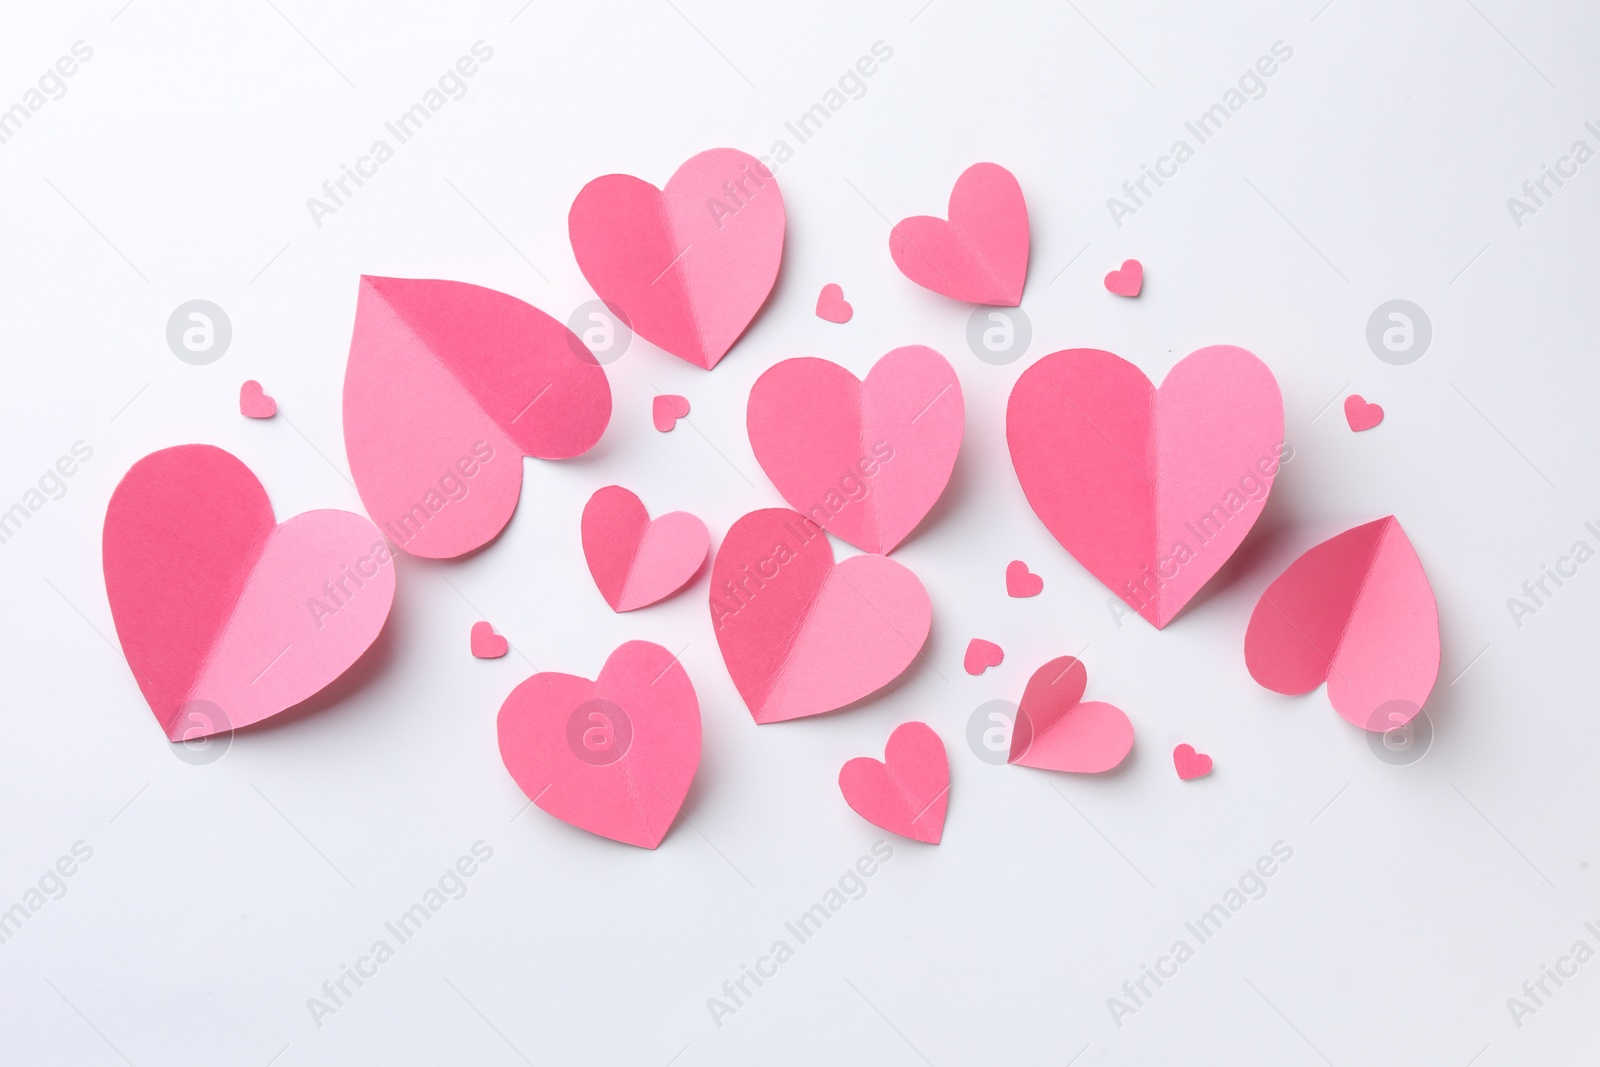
pixel 614 756
pixel 635 560
pixel 1357 612
pixel 226 616
pixel 865 460
pixel 448 386
pixel 800 634
pixel 907 792
pixel 1056 731
pixel 1190 764
pixel 980 255
pixel 486 644
pixel 831 304
pixel 1150 489
pixel 1360 413
pixel 1128 280
pixel 981 655
pixel 687 266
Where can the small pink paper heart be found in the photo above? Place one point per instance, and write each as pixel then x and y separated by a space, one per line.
pixel 1020 581
pixel 832 305
pixel 1055 731
pixel 1127 281
pixel 486 644
pixel 981 655
pixel 980 254
pixel 255 404
pixel 1190 764
pixel 1360 414
pixel 908 791
pixel 636 560
pixel 666 409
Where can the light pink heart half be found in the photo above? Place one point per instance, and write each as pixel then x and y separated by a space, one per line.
pixel 866 460
pixel 908 791
pixel 1056 730
pixel 225 616
pixel 636 561
pixel 689 265
pixel 979 254
pixel 1150 489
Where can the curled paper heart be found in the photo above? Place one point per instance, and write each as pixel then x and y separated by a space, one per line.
pixel 908 791
pixel 1056 731
pixel 980 253
pixel 637 560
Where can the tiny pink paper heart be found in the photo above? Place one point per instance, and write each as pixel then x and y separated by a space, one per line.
pixel 980 254
pixel 1020 581
pixel 1360 414
pixel 486 644
pixel 1056 731
pixel 1189 763
pixel 1127 281
pixel 907 793
pixel 832 305
pixel 255 404
pixel 981 655
pixel 636 561
pixel 666 409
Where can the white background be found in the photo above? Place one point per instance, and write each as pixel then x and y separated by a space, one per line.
pixel 1377 166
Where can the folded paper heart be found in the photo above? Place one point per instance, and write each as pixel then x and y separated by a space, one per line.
pixel 864 459
pixel 1056 731
pixel 1189 763
pixel 1127 281
pixel 255 404
pixel 1020 581
pixel 614 756
pixel 1150 489
pixel 981 655
pixel 1357 612
pixel 666 409
pixel 687 265
pixel 486 644
pixel 800 634
pixel 636 560
pixel 832 305
pixel 1360 414
pixel 980 253
pixel 907 792
pixel 225 615
pixel 448 386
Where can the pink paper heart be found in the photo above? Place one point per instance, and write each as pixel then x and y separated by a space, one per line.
pixel 226 616
pixel 980 254
pixel 1150 489
pixel 800 634
pixel 635 560
pixel 255 404
pixel 448 386
pixel 1189 763
pixel 1127 281
pixel 864 459
pixel 981 655
pixel 1360 414
pixel 1020 581
pixel 832 305
pixel 666 409
pixel 486 644
pixel 689 265
pixel 1056 731
pixel 614 756
pixel 907 792
pixel 1357 612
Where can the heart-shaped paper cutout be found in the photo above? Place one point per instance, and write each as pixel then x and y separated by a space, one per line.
pixel 1150 489
pixel 635 560
pixel 1357 612
pixel 486 644
pixel 1127 281
pixel 831 304
pixel 614 756
pixel 1021 582
pixel 1056 731
pixel 1189 763
pixel 908 791
pixel 864 459
pixel 666 409
pixel 226 616
pixel 689 265
pixel 254 403
pixel 1360 414
pixel 981 655
pixel 448 386
pixel 980 254
pixel 802 635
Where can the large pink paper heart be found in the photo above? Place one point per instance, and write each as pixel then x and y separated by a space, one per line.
pixel 800 634
pixel 865 459
pixel 907 792
pixel 687 266
pixel 1357 612
pixel 614 756
pixel 1150 489
pixel 635 560
pixel 448 386
pixel 980 254
pixel 225 615
pixel 1056 731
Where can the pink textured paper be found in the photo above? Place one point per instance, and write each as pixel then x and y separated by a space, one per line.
pixel 980 253
pixel 1057 730
pixel 636 561
pixel 908 791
